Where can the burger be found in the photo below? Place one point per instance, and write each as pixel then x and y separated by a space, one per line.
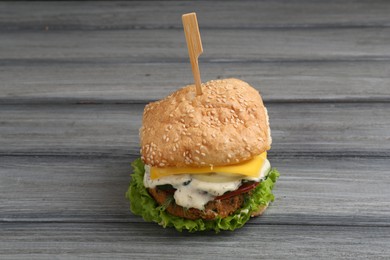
pixel 203 162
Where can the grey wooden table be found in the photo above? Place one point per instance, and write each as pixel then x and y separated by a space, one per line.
pixel 75 76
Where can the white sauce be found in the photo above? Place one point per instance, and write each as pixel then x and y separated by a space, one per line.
pixel 194 192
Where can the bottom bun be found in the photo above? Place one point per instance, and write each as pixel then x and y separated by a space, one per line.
pixel 260 211
pixel 229 216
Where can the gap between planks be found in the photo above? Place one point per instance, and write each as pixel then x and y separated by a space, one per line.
pixel 276 154
pixel 139 220
pixel 85 101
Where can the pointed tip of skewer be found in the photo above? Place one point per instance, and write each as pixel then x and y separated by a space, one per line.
pixel 199 90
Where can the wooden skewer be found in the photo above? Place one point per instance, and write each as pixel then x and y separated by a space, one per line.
pixel 194 44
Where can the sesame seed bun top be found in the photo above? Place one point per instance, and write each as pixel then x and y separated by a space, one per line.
pixel 225 125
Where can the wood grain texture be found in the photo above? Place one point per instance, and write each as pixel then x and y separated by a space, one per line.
pixel 219 45
pixel 349 192
pixel 297 129
pixel 75 76
pixel 144 241
pixel 124 82
pixel 212 14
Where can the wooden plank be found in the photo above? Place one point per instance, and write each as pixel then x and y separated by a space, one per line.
pixel 80 129
pixel 344 129
pixel 64 189
pixel 128 82
pixel 30 48
pixel 143 241
pixel 322 191
pixel 214 14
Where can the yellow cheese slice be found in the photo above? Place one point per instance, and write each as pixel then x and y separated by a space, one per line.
pixel 248 168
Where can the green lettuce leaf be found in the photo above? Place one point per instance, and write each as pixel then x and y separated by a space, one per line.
pixel 141 203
